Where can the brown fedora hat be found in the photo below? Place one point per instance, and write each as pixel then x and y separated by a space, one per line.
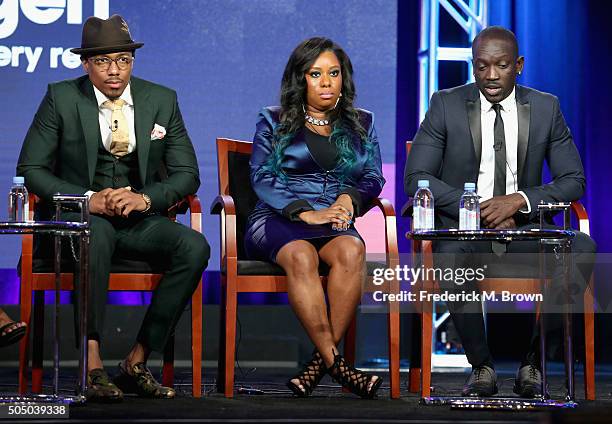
pixel 106 36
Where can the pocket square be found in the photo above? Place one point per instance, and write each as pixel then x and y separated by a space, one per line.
pixel 158 132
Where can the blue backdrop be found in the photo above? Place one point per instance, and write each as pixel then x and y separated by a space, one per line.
pixel 225 59
pixel 566 49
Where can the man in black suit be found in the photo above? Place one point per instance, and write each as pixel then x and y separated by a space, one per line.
pixel 498 134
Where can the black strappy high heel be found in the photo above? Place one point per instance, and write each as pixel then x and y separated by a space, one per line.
pixel 358 382
pixel 309 377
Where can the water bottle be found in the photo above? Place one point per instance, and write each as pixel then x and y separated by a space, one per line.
pixel 18 201
pixel 469 208
pixel 423 207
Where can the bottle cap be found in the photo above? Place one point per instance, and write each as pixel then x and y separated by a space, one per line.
pixel 469 186
pixel 19 180
pixel 423 184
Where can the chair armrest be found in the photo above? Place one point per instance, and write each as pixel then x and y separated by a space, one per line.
pixel 406 210
pixel 190 202
pixel 391 248
pixel 32 200
pixel 195 212
pixel 194 203
pixel 224 206
pixel 225 203
pixel 582 216
pixel 27 240
pixel 384 205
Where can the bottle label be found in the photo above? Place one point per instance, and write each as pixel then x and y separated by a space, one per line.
pixel 18 205
pixel 423 218
pixel 469 220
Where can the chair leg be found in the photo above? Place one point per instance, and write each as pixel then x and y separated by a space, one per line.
pixel 38 330
pixel 414 379
pixel 25 316
pixel 196 342
pixel 426 334
pixel 589 343
pixel 168 368
pixel 394 349
pixel 222 327
pixel 414 376
pixel 228 336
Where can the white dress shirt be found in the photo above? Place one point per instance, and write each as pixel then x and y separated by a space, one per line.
pixel 104 116
pixel 486 174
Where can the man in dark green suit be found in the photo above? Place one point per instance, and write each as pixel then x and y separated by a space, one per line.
pixel 122 141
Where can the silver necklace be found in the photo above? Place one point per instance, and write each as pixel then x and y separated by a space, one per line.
pixel 315 121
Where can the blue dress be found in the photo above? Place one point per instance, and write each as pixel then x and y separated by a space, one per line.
pixel 307 186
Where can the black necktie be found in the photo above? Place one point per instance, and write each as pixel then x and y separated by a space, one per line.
pixel 499 144
pixel 499 187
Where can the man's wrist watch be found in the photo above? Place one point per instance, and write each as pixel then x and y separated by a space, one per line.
pixel 147 200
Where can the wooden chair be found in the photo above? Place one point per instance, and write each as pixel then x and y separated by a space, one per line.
pixel 499 283
pixel 238 275
pixel 126 275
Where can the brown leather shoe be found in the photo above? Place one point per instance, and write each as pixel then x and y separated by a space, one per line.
pixel 142 382
pixel 100 388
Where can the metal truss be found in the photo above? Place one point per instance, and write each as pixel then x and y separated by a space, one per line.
pixel 472 17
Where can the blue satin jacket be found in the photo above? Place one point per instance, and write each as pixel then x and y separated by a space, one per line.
pixel 307 186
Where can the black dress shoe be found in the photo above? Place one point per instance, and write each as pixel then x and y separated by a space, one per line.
pixel 482 382
pixel 142 382
pixel 528 383
pixel 100 388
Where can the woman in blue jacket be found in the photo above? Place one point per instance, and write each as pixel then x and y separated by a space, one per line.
pixel 315 167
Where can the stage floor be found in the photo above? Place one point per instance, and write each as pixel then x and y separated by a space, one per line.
pixel 274 402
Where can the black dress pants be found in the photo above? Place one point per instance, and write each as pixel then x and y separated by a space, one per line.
pixel 185 253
